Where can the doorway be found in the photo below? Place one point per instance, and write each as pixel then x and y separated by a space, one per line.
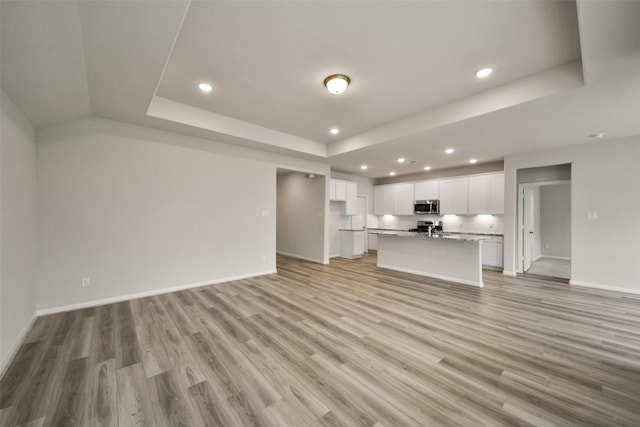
pixel 545 228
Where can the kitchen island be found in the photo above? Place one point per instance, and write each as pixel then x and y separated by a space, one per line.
pixel 448 257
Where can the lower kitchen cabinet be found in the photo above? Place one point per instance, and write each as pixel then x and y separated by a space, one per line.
pixel 492 252
pixel 351 243
pixel 373 242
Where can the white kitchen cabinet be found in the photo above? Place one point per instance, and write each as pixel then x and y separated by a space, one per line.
pixel 351 243
pixel 403 199
pixel 383 200
pixel 477 195
pixel 373 242
pixel 341 190
pixel 426 190
pixel 495 194
pixel 453 196
pixel 492 252
pixel 351 199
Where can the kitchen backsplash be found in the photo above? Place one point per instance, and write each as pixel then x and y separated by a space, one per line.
pixel 457 223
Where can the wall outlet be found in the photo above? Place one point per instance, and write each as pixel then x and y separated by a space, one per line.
pixel 85 282
pixel 546 246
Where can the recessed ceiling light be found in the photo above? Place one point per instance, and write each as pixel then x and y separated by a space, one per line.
pixel 449 150
pixel 484 72
pixel 401 160
pixel 473 161
pixel 205 87
pixel 597 135
pixel 363 167
pixel 337 83
pixel 392 173
pixel 334 131
pixel 427 168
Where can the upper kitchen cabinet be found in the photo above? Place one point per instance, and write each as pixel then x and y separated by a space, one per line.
pixel 383 200
pixel 426 190
pixel 495 194
pixel 453 195
pixel 486 194
pixel 344 191
pixel 403 199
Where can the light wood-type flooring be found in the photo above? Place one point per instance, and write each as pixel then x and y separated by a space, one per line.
pixel 345 344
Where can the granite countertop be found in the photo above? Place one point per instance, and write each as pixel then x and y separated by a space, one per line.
pixel 416 235
pixel 445 232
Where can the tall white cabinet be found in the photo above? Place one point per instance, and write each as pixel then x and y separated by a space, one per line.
pixel 344 191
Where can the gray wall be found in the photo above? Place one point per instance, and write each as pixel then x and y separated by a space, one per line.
pixel 18 228
pixel 301 216
pixel 555 220
pixel 604 177
pixel 142 211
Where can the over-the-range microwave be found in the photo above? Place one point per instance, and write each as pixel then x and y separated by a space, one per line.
pixel 424 207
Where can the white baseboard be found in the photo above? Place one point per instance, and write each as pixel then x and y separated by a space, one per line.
pixel 6 361
pixel 317 261
pixel 604 287
pixel 434 276
pixel 509 273
pixel 565 258
pixel 151 293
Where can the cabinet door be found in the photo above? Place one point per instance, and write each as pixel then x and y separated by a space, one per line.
pixel 332 189
pixel 495 194
pixel 403 199
pixel 492 254
pixel 427 190
pixel 478 195
pixel 445 190
pixel 351 203
pixel 373 242
pixel 378 200
pixel 460 195
pixel 341 190
pixel 358 243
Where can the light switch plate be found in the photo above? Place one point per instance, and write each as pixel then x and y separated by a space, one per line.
pixel 592 215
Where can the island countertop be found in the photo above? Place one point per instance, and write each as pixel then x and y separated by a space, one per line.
pixel 440 236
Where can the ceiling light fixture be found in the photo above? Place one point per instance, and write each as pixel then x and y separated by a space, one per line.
pixel 473 161
pixel 427 168
pixel 335 131
pixel 363 167
pixel 205 87
pixel 337 83
pixel 401 160
pixel 597 135
pixel 484 72
pixel 449 150
pixel 392 173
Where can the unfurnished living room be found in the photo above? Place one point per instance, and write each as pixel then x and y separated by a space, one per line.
pixel 319 213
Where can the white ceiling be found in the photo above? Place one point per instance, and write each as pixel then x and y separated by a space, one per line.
pixel 562 71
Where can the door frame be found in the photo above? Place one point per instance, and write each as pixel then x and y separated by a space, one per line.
pixel 520 240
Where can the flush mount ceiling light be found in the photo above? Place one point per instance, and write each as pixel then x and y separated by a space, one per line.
pixel 334 131
pixel 363 167
pixel 449 150
pixel 392 173
pixel 337 83
pixel 473 161
pixel 484 72
pixel 205 87
pixel 401 160
pixel 427 168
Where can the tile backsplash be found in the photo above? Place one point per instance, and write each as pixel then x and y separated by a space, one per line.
pixel 457 223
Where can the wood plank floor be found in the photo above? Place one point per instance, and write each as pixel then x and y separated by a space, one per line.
pixel 346 344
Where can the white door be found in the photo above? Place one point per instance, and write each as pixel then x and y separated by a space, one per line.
pixel 528 228
pixel 359 220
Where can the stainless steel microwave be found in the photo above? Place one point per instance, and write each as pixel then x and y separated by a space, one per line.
pixel 424 207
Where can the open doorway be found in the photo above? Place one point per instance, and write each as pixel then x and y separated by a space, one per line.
pixel 544 218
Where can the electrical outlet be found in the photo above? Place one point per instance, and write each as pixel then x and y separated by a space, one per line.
pixel 85 282
pixel 546 246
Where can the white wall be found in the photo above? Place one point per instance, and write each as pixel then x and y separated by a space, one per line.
pixel 142 211
pixel 18 228
pixel 555 220
pixel 537 224
pixel 301 216
pixel 604 179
